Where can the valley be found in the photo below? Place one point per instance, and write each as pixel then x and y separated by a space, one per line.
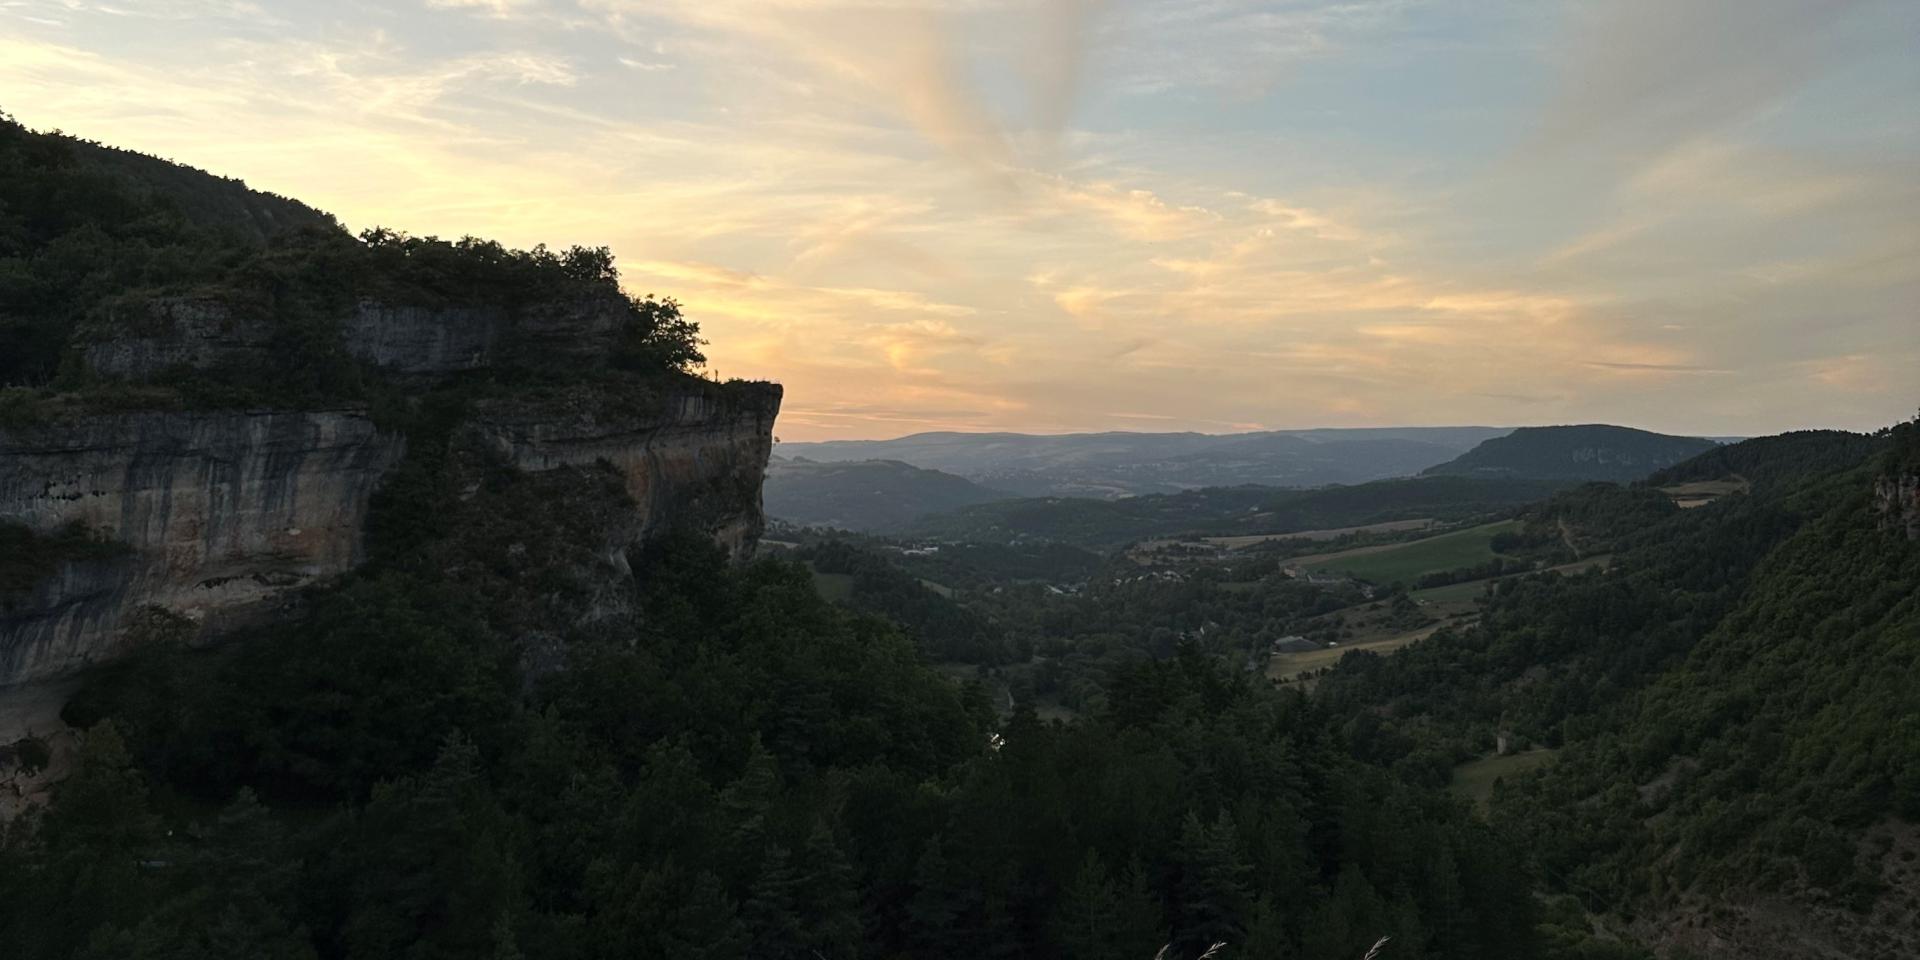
pixel 376 595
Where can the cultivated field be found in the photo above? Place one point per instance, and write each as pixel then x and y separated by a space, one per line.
pixel 1387 563
pixel 1702 492
pixel 1474 780
pixel 1390 526
pixel 1470 591
pixel 1285 667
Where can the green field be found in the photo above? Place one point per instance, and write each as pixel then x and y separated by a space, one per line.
pixel 1467 592
pixel 1286 666
pixel 1405 561
pixel 833 586
pixel 1470 591
pixel 1474 780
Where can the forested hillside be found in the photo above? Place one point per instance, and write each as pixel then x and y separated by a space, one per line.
pixel 521 729
pixel 1233 510
pixel 1731 701
pixel 865 495
pixel 97 243
pixel 1593 451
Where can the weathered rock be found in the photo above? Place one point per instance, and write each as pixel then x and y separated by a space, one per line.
pixel 417 340
pixel 219 511
pixel 142 341
pixel 222 511
pixel 1896 500
pixel 697 458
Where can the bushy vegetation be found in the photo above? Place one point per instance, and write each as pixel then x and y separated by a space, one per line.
pixel 946 630
pixel 92 238
pixel 1765 460
pixel 1731 698
pixel 745 771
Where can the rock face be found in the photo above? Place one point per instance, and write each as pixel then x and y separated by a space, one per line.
pixel 219 510
pixel 144 340
pixel 1896 500
pixel 698 455
pixel 222 511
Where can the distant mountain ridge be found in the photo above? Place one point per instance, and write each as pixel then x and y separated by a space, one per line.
pixel 1593 451
pixel 1118 464
pixel 865 495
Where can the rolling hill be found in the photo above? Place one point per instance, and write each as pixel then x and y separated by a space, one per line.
pixel 1228 511
pixel 864 495
pixel 1111 465
pixel 1594 451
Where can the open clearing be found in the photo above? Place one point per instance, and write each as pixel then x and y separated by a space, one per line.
pixel 1284 667
pixel 1474 780
pixel 1335 533
pixel 1699 493
pixel 833 586
pixel 1391 562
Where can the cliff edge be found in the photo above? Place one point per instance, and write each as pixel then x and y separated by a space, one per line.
pixel 219 397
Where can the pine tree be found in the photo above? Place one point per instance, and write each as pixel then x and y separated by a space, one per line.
pixel 770 912
pixel 1143 918
pixel 829 898
pixel 90 858
pixel 1213 897
pixel 934 912
pixel 1266 937
pixel 1087 922
pixel 745 804
pixel 435 869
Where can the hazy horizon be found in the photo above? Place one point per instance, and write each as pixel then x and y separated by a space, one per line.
pixel 1285 429
pixel 1084 216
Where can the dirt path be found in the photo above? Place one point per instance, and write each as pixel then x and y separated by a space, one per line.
pixel 1566 537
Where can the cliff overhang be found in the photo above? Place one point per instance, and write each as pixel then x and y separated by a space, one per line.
pixel 218 516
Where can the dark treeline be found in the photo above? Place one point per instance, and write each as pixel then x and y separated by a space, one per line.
pixel 750 772
pixel 1733 699
pixel 90 237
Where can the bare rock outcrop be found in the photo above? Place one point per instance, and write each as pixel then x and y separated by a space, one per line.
pixel 218 511
pixel 1896 501
pixel 216 514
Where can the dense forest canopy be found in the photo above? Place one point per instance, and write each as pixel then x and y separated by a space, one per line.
pixel 1009 746
pixel 89 235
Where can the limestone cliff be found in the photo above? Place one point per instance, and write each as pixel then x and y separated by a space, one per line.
pixel 222 512
pixel 218 510
pixel 686 456
pixel 1896 499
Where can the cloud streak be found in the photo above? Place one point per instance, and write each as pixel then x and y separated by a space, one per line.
pixel 982 214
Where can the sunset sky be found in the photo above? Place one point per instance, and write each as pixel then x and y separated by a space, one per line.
pixel 1695 216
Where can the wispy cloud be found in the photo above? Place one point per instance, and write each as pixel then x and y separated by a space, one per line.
pixel 974 214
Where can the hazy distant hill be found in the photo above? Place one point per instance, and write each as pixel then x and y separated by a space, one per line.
pixel 1122 464
pixel 1233 510
pixel 864 495
pixel 1592 451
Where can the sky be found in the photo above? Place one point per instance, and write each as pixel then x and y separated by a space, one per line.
pixel 1694 216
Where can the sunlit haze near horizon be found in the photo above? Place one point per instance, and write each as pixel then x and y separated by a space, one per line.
pixel 1213 215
